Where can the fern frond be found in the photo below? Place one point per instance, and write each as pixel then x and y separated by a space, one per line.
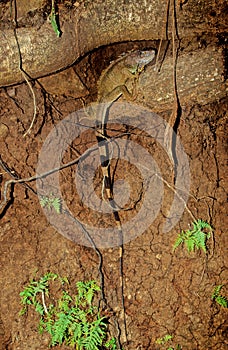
pixel 167 337
pixel 60 328
pixel 64 302
pixel 222 301
pixel 39 308
pixel 48 323
pixel 200 239
pixel 178 241
pixel 51 202
pixel 216 291
pixel 79 314
pixel 94 334
pixel 43 201
pixel 190 243
pixel 56 203
pixel 86 291
pixel 200 224
pixel 111 344
pixel 75 332
pixel 41 326
pixel 72 321
pixel 164 339
pixel 195 238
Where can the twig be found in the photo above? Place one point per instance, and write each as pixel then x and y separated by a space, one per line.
pixel 9 183
pixel 13 174
pixel 156 68
pixel 34 104
pixel 178 195
pixel 168 135
pixel 43 302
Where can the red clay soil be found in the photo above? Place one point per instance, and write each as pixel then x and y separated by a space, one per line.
pixel 165 292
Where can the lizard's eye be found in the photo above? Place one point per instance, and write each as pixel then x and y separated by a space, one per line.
pixel 144 54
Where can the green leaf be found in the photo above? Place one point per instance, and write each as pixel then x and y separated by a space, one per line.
pixel 178 241
pixel 195 238
pixel 56 203
pixel 75 330
pixel 54 22
pixel 111 344
pixel 200 239
pixel 39 308
pixel 190 243
pixel 167 337
pixel 75 324
pixel 51 202
pixel 60 328
pixel 164 340
pixel 41 326
pixel 49 324
pixel 222 301
pixel 95 333
pixel 43 201
pixel 216 291
pixel 65 301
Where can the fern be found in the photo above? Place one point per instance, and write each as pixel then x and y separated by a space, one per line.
pixel 94 334
pixel 64 302
pixel 51 202
pixel 75 334
pixel 111 344
pixel 86 291
pixel 60 328
pixel 195 238
pixel 164 340
pixel 71 320
pixel 221 300
pixel 216 291
pixel 29 294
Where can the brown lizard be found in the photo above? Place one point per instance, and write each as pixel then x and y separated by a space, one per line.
pixel 111 85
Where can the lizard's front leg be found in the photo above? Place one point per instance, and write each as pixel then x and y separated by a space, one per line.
pixel 122 90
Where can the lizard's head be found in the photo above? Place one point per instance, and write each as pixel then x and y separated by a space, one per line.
pixel 139 59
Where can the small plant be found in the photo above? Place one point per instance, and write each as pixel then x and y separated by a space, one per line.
pixel 55 20
pixel 111 344
pixel 195 238
pixel 72 320
pixel 166 339
pixel 51 202
pixel 221 300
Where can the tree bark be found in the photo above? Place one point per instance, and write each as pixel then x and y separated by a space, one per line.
pixel 96 23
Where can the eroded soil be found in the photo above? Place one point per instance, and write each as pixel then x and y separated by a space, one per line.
pixel 165 292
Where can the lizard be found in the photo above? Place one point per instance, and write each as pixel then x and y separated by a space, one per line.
pixel 111 85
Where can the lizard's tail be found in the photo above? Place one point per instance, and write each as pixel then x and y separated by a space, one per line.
pixel 107 187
